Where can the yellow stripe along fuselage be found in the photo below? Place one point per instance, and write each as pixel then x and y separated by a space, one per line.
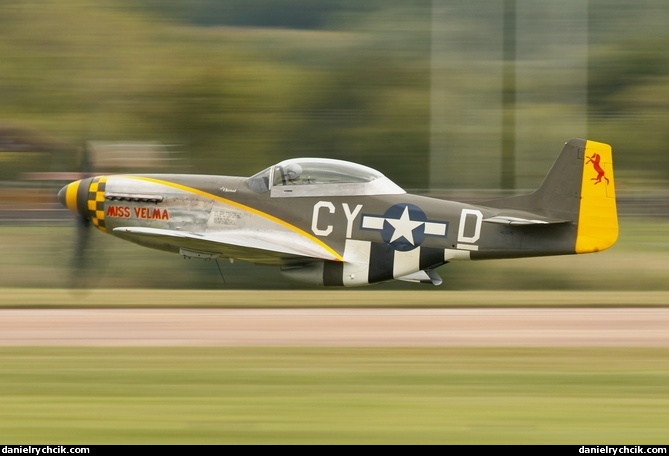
pixel 243 207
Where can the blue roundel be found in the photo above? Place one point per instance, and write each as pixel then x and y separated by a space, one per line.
pixel 404 227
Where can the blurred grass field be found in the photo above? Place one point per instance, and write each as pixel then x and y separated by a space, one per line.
pixel 341 396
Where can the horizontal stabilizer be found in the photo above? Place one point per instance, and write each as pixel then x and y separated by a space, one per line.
pixel 510 220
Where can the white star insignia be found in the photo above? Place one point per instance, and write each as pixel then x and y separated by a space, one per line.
pixel 404 226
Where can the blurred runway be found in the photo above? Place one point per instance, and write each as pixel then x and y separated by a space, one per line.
pixel 628 327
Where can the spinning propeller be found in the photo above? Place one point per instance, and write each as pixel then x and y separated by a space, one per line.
pixel 74 196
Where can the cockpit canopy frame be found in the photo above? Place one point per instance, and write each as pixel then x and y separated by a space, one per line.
pixel 321 177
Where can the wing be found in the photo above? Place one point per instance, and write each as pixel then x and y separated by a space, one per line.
pixel 253 246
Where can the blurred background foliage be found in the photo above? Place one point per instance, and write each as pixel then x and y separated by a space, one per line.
pixel 235 85
pixel 242 84
pixel 238 85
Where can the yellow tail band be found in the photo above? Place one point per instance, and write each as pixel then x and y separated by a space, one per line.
pixel 598 217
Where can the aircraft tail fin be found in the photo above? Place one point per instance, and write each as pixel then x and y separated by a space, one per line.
pixel 579 188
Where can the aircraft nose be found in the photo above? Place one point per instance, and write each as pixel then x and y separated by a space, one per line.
pixel 67 196
pixel 62 195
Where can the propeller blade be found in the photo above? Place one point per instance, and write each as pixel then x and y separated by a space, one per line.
pixel 79 278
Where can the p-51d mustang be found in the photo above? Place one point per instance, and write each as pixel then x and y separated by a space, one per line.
pixel 336 223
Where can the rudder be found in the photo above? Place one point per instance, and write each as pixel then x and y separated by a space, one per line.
pixel 598 217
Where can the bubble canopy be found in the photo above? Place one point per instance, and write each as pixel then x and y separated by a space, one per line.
pixel 322 176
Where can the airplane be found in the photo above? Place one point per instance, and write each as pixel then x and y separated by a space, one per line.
pixel 330 222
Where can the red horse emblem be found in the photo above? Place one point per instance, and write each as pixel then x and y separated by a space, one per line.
pixel 595 159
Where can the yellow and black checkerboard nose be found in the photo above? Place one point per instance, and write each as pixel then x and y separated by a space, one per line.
pixel 86 197
pixel 96 202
